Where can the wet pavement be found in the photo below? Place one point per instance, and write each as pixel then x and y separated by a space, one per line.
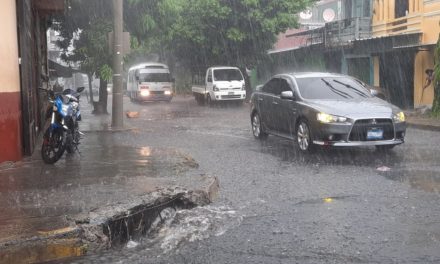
pixel 39 199
pixel 276 205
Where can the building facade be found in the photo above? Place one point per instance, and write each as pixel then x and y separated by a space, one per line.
pixel 10 97
pixel 24 69
pixel 325 40
pixel 413 26
pixel 386 43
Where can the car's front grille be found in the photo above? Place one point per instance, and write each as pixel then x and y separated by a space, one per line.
pixel 230 88
pixel 232 96
pixel 361 128
pixel 156 92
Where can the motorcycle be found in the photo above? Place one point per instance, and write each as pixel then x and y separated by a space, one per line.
pixel 63 133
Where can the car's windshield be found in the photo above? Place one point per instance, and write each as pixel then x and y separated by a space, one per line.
pixel 331 88
pixel 154 77
pixel 227 75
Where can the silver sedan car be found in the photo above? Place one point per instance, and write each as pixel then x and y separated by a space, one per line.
pixel 325 109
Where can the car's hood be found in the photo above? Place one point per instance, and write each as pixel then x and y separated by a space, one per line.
pixel 362 108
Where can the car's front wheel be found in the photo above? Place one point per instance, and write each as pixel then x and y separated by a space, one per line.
pixel 257 129
pixel 304 137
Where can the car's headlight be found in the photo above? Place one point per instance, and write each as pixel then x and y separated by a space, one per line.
pixel 167 92
pixel 326 118
pixel 399 117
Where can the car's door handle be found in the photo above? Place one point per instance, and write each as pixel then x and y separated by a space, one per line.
pixel 275 103
pixel 260 99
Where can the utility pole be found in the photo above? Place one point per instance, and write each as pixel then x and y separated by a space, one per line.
pixel 117 106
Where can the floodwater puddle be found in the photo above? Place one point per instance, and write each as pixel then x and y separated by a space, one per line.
pixel 326 200
pixel 191 225
pixel 421 179
pixel 171 229
pixel 50 252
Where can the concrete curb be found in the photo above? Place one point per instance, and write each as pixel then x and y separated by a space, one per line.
pixel 213 189
pixel 424 127
pixel 75 240
pixel 110 130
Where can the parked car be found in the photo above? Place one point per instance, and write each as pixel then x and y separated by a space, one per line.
pixel 325 109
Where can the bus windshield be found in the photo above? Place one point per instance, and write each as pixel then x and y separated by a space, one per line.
pixel 154 77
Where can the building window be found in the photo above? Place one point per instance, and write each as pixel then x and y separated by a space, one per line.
pixel 401 8
pixel 361 8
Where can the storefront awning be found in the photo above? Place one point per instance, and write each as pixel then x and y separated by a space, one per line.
pixel 375 45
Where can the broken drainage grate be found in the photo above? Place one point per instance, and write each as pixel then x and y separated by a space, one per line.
pixel 137 221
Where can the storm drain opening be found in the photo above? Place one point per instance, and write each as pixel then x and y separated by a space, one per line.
pixel 137 222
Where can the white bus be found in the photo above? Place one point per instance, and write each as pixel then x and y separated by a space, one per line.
pixel 150 82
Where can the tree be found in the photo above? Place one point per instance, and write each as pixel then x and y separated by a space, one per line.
pixel 233 32
pixel 149 23
pixel 436 102
pixel 201 33
pixel 85 26
pixel 196 33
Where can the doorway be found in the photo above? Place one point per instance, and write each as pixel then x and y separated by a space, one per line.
pixel 396 73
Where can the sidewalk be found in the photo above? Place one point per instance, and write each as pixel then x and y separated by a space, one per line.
pixel 42 201
pixel 422 121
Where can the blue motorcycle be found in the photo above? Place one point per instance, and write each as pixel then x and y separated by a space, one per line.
pixel 63 133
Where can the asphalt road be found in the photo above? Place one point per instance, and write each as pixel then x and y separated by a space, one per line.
pixel 277 205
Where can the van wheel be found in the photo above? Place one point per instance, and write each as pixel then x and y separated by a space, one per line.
pixel 209 100
pixel 199 98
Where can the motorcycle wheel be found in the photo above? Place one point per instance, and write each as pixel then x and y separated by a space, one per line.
pixel 69 149
pixel 53 146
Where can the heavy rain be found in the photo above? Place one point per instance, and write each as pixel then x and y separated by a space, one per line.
pixel 220 131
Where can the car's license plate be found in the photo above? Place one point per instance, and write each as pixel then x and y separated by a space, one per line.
pixel 231 93
pixel 374 134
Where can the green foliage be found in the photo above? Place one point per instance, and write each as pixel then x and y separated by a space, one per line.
pixel 86 25
pixel 106 72
pixel 201 33
pixel 196 33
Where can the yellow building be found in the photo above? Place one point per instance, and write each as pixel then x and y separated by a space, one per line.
pixel 410 29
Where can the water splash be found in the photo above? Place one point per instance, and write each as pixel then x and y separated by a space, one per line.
pixel 191 225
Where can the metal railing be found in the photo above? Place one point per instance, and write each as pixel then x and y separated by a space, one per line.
pixel 341 32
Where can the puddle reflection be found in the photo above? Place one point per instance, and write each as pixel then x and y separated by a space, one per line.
pixel 426 180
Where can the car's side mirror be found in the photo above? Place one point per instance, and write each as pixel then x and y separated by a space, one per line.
pixel 80 89
pixel 287 95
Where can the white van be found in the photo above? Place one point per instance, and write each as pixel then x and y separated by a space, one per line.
pixel 150 82
pixel 221 84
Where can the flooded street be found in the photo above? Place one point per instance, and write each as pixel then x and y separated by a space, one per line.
pixel 277 205
pixel 220 131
